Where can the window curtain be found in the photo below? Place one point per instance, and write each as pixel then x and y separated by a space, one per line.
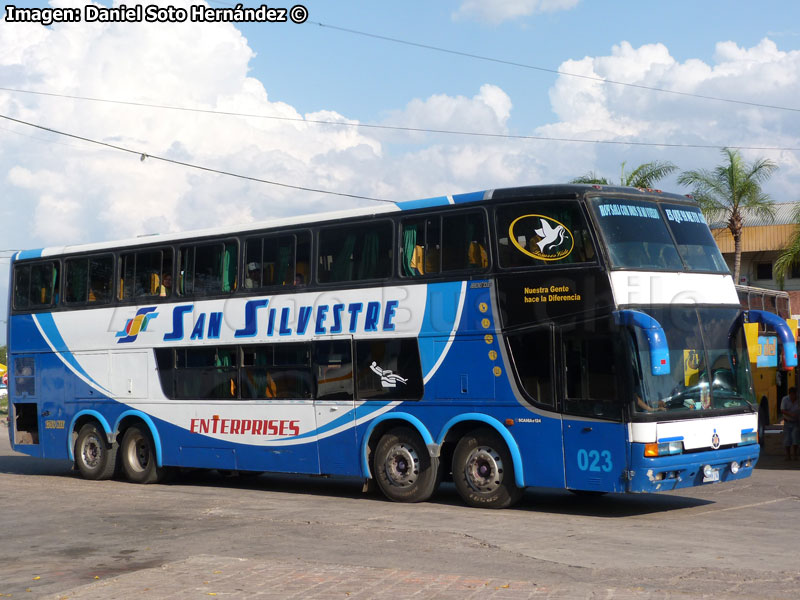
pixel 341 270
pixel 284 261
pixel 368 265
pixel 229 264
pixel 409 244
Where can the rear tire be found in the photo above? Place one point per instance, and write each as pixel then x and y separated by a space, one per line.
pixel 484 472
pixel 403 467
pixel 138 456
pixel 95 458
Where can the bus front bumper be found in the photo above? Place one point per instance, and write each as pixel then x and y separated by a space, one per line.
pixel 689 470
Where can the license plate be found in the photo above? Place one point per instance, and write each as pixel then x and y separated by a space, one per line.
pixel 714 476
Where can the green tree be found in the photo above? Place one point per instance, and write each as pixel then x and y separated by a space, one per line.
pixel 791 254
pixel 644 176
pixel 729 192
pixel 4 355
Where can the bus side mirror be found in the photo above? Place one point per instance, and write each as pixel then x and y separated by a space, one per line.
pixel 656 338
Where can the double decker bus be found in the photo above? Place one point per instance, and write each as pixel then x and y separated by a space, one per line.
pixel 565 336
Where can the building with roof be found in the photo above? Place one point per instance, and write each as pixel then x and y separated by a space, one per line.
pixel 763 240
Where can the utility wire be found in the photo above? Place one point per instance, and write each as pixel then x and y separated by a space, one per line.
pixel 145 155
pixel 546 70
pixel 397 127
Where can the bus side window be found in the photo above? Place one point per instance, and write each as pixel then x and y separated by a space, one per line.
pixel 355 252
pixel 333 365
pixel 590 354
pixel 531 354
pixel 419 245
pixel 464 242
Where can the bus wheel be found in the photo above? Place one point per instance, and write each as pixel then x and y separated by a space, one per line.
pixel 95 458
pixel 763 420
pixel 404 469
pixel 483 471
pixel 139 456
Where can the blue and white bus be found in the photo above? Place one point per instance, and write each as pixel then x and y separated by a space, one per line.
pixel 579 337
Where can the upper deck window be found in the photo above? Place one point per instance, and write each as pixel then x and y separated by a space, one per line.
pixel 696 245
pixel 145 273
pixel 437 244
pixel 636 235
pixel 542 233
pixel 275 261
pixel 36 286
pixel 207 269
pixel 640 234
pixel 355 252
pixel 89 280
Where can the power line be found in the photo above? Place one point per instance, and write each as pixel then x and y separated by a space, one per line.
pixel 145 155
pixel 553 71
pixel 398 127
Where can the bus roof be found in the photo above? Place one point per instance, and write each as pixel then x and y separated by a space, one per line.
pixel 541 191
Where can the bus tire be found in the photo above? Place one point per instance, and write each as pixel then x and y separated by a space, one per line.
pixel 95 458
pixel 404 469
pixel 483 471
pixel 138 456
pixel 763 420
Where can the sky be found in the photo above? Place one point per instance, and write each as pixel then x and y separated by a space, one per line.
pixel 521 70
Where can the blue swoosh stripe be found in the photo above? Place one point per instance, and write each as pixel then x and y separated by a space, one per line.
pixel 52 334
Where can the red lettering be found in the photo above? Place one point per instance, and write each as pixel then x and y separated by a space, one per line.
pixel 244 426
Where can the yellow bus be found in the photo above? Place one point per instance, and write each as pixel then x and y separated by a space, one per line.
pixel 771 379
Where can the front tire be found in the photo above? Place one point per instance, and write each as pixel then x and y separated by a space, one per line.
pixel 95 458
pixel 404 469
pixel 763 420
pixel 484 472
pixel 138 456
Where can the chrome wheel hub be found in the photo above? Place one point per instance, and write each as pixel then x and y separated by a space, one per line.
pixel 484 470
pixel 402 465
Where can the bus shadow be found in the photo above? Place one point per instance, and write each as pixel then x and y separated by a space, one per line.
pixel 772 462
pixel 564 502
pixel 539 500
pixel 19 464
pixel 606 506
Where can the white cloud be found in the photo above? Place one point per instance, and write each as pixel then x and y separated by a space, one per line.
pixel 591 109
pixel 497 11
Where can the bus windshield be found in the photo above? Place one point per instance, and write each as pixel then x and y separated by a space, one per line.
pixel 709 365
pixel 640 235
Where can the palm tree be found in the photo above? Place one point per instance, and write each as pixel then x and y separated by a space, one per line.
pixel 643 176
pixel 791 254
pixel 730 191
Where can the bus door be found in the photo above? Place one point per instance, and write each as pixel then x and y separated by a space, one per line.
pixel 24 407
pixel 595 437
pixel 335 406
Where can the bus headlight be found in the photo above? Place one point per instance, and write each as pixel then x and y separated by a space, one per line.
pixel 708 471
pixel 663 449
pixel 749 438
pixel 734 467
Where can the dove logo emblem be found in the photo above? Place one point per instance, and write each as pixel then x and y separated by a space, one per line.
pixel 551 240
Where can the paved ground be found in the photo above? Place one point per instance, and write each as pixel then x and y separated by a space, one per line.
pixel 298 537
